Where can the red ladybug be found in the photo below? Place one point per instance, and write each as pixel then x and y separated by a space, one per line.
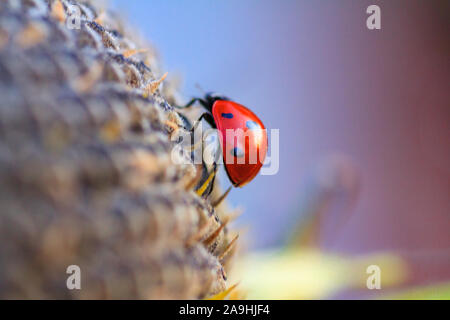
pixel 243 157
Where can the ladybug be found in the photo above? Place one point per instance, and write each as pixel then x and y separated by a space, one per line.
pixel 245 152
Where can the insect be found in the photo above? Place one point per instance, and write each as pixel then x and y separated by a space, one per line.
pixel 243 138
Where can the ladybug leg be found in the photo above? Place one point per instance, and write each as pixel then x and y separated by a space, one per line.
pixel 191 102
pixel 208 118
pixel 211 185
pixel 204 102
pixel 208 183
pixel 186 122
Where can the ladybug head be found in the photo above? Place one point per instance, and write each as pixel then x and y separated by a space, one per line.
pixel 210 98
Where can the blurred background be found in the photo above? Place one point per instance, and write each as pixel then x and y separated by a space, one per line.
pixel 363 115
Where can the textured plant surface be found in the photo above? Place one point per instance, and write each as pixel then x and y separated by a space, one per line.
pixel 86 171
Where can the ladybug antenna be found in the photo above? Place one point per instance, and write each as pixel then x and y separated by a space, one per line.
pixel 199 87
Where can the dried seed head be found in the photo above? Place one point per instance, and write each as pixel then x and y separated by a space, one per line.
pixel 229 249
pixel 93 179
pixel 33 34
pixel 132 52
pixel 153 86
pixel 57 11
pixel 87 81
pixel 100 17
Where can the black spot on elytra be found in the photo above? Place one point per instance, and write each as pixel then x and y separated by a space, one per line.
pixel 252 125
pixel 227 115
pixel 237 152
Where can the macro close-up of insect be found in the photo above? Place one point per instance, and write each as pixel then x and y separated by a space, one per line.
pixel 242 138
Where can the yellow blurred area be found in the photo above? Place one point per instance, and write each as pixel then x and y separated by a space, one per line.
pixel 311 273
